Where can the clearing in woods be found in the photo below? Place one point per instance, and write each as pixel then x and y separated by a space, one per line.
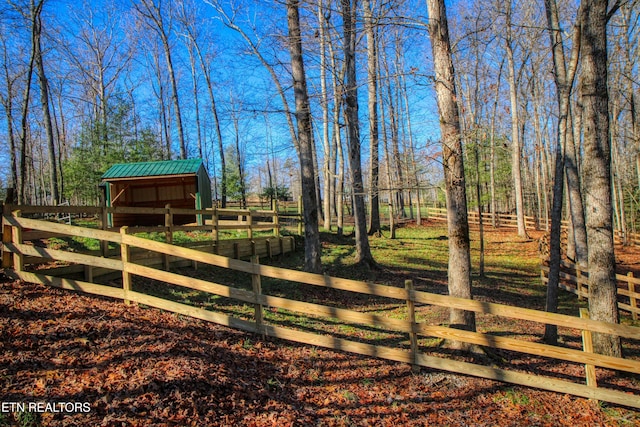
pixel 139 366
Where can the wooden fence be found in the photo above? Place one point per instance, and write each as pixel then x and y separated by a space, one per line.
pixel 14 228
pixel 217 219
pixel 510 221
pixel 575 279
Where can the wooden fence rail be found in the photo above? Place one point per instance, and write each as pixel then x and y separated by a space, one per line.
pixel 510 221
pixel 217 219
pixel 575 279
pixel 415 354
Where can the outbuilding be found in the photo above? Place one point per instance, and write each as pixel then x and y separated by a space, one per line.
pixel 183 184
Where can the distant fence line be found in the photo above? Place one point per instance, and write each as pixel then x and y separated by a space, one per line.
pixel 575 279
pixel 511 221
pixel 15 253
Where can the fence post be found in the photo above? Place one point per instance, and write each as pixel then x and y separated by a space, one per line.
pixel 104 224
pixel 413 336
pixel 168 223
pixel 275 218
pixel 214 230
pixel 250 225
pixel 269 249
pixel 6 238
pixel 257 290
pixel 579 282
pixel 16 237
pixel 276 224
pixel 632 299
pixel 300 220
pixel 587 345
pixel 125 256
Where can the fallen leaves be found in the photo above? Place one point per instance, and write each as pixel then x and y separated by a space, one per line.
pixel 141 367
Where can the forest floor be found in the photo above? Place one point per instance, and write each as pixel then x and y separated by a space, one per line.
pixel 138 366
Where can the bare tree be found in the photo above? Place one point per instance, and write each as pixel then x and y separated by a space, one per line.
pixel 564 82
pixel 452 157
pixel 363 250
pixel 372 91
pixel 6 99
pixel 312 251
pixel 155 19
pixel 515 123
pixel 603 303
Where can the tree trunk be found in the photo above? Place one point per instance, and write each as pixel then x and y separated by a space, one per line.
pixel 216 121
pixel 564 83
pixel 597 174
pixel 516 149
pixel 329 154
pixel 372 89
pixel 44 100
pixel 363 251
pixel 7 103
pixel 452 156
pixel 312 260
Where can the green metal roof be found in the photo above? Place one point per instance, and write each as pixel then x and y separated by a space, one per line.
pixel 142 169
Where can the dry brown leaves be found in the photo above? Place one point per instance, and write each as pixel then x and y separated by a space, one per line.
pixel 142 367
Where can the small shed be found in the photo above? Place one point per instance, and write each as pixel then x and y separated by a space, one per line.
pixel 183 184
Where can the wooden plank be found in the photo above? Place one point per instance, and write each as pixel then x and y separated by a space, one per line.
pixel 544 350
pixel 587 344
pixel 198 313
pixel 187 253
pixel 233 212
pixel 411 310
pixel 527 314
pixel 136 210
pixel 74 285
pixel 16 239
pixel 70 230
pixel 333 282
pixel 6 238
pixel 73 257
pixel 529 380
pixel 30 209
pixel 341 314
pixel 633 296
pixel 191 283
pixel 340 344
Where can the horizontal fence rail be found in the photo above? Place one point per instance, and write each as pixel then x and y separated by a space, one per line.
pixel 575 279
pixel 510 221
pixel 14 228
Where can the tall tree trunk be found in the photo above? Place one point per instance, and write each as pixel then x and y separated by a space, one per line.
pixel 24 123
pixel 597 174
pixel 492 159
pixel 155 16
pixel 372 90
pixel 516 149
pixel 363 251
pixel 564 82
pixel 452 156
pixel 329 154
pixel 7 103
pixel 312 260
pixel 44 101
pixel 196 99
pixel 216 122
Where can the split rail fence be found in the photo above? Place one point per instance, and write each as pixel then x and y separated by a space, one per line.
pixel 510 221
pixel 416 353
pixel 575 279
